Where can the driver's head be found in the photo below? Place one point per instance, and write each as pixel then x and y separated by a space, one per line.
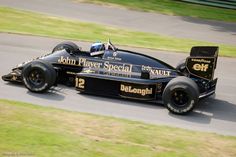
pixel 98 46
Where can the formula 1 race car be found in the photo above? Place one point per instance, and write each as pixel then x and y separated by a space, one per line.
pixel 109 71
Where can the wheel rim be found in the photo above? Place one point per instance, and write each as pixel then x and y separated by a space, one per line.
pixel 180 98
pixel 36 78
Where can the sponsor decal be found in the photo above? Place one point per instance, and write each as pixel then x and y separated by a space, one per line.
pixel 110 66
pixel 114 58
pixel 155 71
pixel 67 61
pixel 117 74
pixel 90 64
pixel 117 67
pixel 200 67
pixel 200 60
pixel 80 83
pixel 135 90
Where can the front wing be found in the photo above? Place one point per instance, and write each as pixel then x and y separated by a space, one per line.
pixel 14 76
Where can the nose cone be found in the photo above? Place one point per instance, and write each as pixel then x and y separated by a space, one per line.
pixel 7 77
pixel 12 77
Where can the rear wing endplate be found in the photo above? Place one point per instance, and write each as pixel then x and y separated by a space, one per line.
pixel 202 61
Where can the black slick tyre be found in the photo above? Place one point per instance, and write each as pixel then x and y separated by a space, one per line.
pixel 180 95
pixel 70 47
pixel 38 76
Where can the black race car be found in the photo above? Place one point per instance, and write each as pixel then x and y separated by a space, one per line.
pixel 109 71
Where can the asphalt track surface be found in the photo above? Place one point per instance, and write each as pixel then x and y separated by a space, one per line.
pixel 212 114
pixel 181 27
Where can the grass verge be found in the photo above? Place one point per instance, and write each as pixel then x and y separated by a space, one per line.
pixel 171 7
pixel 17 21
pixel 32 130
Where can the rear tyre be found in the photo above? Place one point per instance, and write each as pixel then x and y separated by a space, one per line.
pixel 38 76
pixel 180 95
pixel 70 47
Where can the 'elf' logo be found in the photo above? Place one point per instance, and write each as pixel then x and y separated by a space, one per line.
pixel 200 67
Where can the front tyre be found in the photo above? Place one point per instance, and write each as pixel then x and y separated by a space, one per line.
pixel 38 76
pixel 180 95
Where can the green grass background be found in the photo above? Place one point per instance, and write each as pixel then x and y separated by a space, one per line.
pixel 17 21
pixel 48 132
pixel 173 7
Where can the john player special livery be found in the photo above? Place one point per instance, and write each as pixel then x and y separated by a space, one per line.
pixel 109 71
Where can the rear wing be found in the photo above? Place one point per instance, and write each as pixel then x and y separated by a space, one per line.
pixel 202 61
